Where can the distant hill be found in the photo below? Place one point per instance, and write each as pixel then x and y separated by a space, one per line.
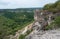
pixel 19 9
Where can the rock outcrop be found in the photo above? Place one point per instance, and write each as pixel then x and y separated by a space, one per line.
pixel 42 19
pixel 50 34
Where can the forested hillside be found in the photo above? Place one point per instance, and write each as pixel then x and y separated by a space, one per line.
pixel 11 21
pixel 53 7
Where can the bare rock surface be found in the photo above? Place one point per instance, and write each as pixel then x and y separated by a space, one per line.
pixel 50 34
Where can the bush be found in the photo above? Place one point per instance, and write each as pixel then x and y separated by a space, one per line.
pixel 57 21
pixel 22 37
pixel 55 24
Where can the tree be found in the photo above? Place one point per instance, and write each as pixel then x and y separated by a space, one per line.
pixel 53 7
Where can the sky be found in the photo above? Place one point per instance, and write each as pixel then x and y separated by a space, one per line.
pixel 6 4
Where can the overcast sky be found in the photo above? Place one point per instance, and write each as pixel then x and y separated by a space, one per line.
pixel 23 3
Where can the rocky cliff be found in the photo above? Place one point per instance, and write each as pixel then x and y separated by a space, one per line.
pixel 42 19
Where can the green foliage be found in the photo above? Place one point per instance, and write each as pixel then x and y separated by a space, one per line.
pixel 54 7
pixel 57 21
pixel 55 24
pixel 49 27
pixel 23 36
pixel 10 22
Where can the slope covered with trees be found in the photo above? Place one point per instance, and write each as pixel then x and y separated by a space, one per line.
pixel 10 22
pixel 53 7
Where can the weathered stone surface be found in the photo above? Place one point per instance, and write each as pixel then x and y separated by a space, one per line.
pixel 42 19
pixel 51 34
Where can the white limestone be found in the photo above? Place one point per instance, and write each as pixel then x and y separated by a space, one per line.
pixel 51 34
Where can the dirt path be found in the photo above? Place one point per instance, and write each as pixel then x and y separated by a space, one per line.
pixel 19 32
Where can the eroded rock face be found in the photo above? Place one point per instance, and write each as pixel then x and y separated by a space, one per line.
pixel 42 19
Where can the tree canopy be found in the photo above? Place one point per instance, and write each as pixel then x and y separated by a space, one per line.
pixel 53 7
pixel 10 22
